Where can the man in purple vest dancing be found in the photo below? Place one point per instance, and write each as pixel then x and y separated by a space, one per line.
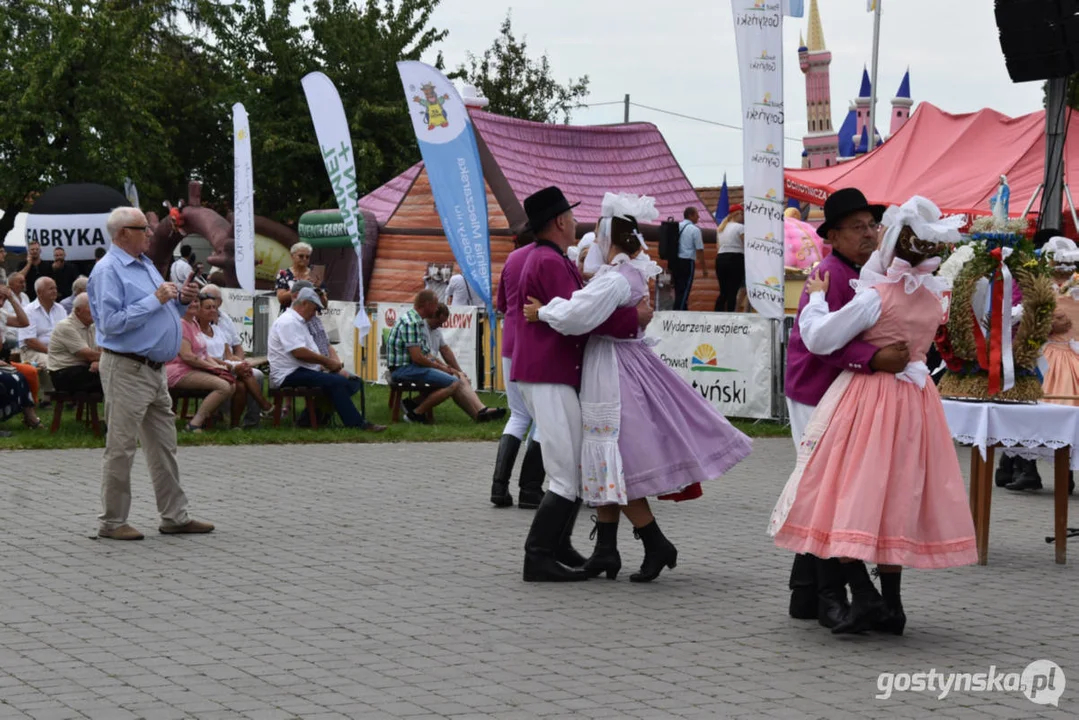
pixel 546 366
pixel 851 227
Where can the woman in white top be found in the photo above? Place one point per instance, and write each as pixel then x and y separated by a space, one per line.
pixel 248 379
pixel 730 260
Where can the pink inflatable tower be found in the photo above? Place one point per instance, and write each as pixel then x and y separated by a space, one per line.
pixel 821 143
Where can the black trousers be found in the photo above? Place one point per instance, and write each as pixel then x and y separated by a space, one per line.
pixel 731 273
pixel 76 379
pixel 682 271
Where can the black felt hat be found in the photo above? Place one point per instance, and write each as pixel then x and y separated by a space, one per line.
pixel 846 202
pixel 544 206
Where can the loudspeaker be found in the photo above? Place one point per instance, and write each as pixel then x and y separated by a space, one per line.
pixel 1039 38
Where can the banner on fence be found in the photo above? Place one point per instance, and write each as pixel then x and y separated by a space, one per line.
pixel 239 305
pixel 338 321
pixel 726 357
pixel 460 333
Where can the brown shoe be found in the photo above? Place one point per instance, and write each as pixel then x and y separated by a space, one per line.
pixel 371 427
pixel 124 532
pixel 192 526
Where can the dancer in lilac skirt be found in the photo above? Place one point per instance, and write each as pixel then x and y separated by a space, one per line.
pixel 646 431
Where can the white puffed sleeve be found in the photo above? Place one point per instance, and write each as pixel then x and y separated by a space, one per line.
pixel 824 332
pixel 589 307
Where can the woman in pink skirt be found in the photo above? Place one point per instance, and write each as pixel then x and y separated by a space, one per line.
pixel 877 478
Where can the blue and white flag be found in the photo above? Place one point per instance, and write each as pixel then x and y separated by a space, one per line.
pixel 452 160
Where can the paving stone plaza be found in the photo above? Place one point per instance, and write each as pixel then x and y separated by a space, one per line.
pixel 376 581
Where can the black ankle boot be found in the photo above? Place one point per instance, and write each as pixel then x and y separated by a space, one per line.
pixel 896 619
pixel 532 475
pixel 566 554
pixel 605 557
pixel 803 585
pixel 500 486
pixel 544 538
pixel 832 605
pixel 1005 470
pixel 658 551
pixel 866 607
pixel 1026 475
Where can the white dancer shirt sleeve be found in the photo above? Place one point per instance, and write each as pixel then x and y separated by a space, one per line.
pixel 825 332
pixel 589 307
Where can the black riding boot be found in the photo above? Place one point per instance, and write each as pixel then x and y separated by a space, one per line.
pixel 658 551
pixel 532 474
pixel 1005 470
pixel 1026 475
pixel 867 607
pixel 544 538
pixel 500 486
pixel 832 605
pixel 605 557
pixel 566 554
pixel 803 585
pixel 896 619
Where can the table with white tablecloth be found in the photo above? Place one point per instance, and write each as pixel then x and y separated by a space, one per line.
pixel 1033 430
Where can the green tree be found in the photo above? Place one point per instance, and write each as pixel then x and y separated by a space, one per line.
pixel 519 86
pixel 80 97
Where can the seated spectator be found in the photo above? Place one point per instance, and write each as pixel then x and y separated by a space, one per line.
pixel 17 283
pixel 73 353
pixel 12 317
pixel 62 272
pixel 300 269
pixel 194 369
pixel 409 357
pixel 296 362
pixel 465 397
pixel 15 397
pixel 79 286
pixel 43 313
pixel 248 393
pixel 234 344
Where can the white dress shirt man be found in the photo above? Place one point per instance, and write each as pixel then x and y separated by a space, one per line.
pixel 44 313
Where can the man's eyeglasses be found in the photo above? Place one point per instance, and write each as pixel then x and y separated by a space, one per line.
pixel 861 227
pixel 140 228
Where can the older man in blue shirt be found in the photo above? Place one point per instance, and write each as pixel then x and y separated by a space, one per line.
pixel 690 249
pixel 137 316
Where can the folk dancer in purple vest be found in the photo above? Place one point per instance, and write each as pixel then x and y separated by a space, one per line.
pixel 546 366
pixel 851 224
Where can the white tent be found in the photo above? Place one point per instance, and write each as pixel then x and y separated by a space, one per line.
pixel 16 238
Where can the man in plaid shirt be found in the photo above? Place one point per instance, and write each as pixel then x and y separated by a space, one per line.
pixel 409 357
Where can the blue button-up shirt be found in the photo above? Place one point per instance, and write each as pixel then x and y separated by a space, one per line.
pixel 689 240
pixel 128 316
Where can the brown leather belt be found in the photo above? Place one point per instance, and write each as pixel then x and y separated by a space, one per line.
pixel 152 364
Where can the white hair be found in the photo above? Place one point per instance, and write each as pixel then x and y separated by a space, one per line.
pixel 81 300
pixel 79 286
pixel 300 246
pixel 210 288
pixel 120 217
pixel 42 282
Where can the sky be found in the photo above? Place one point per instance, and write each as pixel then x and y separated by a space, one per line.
pixel 680 56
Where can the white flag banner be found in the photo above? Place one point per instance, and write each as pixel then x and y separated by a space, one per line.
pixel 758 33
pixel 243 204
pixel 335 142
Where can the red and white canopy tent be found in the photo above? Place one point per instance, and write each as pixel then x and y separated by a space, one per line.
pixel 954 160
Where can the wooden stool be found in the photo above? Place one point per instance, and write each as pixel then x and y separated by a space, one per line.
pixel 310 395
pixel 397 392
pixel 181 396
pixel 85 408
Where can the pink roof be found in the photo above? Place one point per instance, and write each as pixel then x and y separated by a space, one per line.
pixel 383 201
pixel 954 160
pixel 584 160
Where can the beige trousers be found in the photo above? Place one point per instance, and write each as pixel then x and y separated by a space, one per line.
pixel 138 409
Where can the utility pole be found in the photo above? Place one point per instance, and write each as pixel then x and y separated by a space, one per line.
pixel 873 80
pixel 625 117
